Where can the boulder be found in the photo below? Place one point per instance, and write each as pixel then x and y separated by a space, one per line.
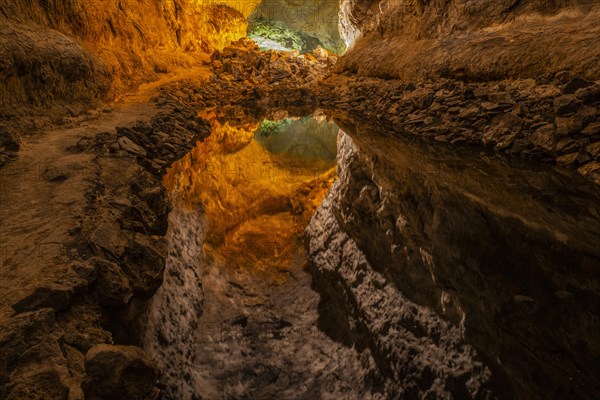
pixel 56 294
pixel 119 372
pixel 592 129
pixel 112 285
pixel 566 145
pixel 130 147
pixel 594 149
pixel 590 94
pixel 591 171
pixel 108 237
pixel 586 114
pixel 543 137
pixel 144 264
pixel 83 327
pixel 575 84
pixel 51 295
pixel 503 130
pixel 567 159
pixel 32 365
pixel 566 104
pixel 567 126
pixel 320 53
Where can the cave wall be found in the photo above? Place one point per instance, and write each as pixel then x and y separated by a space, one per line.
pixel 176 307
pixel 406 58
pixel 82 51
pixel 475 40
pixel 465 277
pixel 466 274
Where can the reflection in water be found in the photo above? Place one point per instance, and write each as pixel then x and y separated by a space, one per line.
pixel 509 251
pixel 257 183
pixel 308 141
pixel 240 207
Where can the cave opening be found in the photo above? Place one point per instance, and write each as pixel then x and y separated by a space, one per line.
pixel 302 26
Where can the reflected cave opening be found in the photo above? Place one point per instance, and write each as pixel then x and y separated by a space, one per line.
pixel 247 191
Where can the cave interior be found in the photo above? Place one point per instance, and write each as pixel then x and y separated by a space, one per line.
pixel 299 199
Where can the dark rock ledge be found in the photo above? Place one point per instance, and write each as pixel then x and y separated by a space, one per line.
pixel 75 335
pixel 554 119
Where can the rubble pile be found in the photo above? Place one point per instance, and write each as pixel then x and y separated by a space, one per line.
pixel 244 75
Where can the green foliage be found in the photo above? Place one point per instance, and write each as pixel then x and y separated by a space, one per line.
pixel 268 33
pixel 307 140
pixel 269 128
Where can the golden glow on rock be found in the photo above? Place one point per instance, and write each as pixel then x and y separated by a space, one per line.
pixel 244 7
pixel 256 203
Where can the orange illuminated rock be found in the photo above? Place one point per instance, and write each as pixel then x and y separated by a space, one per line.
pixel 251 197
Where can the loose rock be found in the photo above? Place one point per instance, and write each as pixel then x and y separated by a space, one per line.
pixel 119 372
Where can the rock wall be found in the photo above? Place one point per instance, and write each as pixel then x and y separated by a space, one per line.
pixel 556 121
pixel 83 266
pixel 516 77
pixel 78 50
pixel 173 313
pixel 420 39
pixel 466 278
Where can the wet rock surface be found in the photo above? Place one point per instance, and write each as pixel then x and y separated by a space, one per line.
pixel 471 41
pixel 460 286
pixel 106 257
pixel 172 317
pixel 235 316
pixel 519 118
pixel 259 339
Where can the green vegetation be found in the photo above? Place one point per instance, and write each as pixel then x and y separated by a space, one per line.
pixel 273 34
pixel 312 142
pixel 269 128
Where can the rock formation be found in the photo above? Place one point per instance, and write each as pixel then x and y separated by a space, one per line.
pixel 555 121
pixel 407 225
pixel 75 54
pixel 314 21
pixel 520 78
pixel 92 266
pixel 458 286
pixel 415 40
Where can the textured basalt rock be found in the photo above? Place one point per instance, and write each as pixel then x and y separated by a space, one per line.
pixel 172 319
pixel 121 372
pixel 520 77
pixel 525 118
pixel 484 40
pixel 121 250
pixel 245 76
pixel 466 278
pixel 315 19
pixel 98 294
pixel 58 57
